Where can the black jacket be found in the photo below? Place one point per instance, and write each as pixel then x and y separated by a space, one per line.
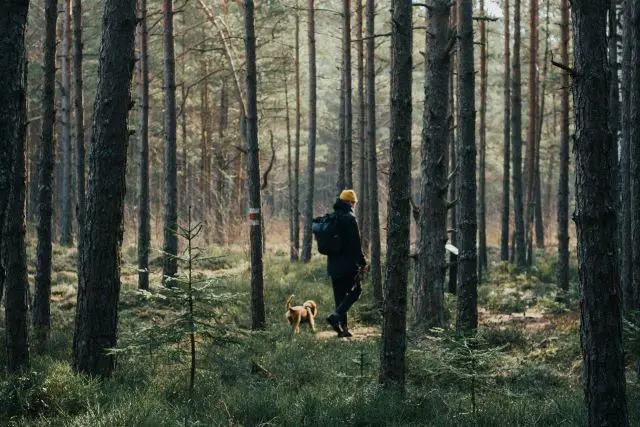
pixel 351 257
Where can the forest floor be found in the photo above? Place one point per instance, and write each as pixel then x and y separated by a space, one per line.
pixel 522 369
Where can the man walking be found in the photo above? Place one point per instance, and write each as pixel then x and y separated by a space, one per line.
pixel 345 267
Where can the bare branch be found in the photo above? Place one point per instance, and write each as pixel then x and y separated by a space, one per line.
pixel 271 162
pixel 566 68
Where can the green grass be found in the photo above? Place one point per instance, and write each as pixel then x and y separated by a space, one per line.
pixel 521 376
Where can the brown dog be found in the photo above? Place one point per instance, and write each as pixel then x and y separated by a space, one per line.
pixel 305 313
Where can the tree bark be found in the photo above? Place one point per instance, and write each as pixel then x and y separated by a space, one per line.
pixel 363 210
pixel 253 173
pixel 99 290
pixel 626 246
pixel 144 226
pixel 595 218
pixel 170 246
pixel 376 256
pixel 293 252
pixel 453 156
pixel 482 226
pixel 296 173
pixel 33 154
pixel 516 140
pixel 221 200
pixel 348 110
pixel 530 158
pixel 205 142
pixel 467 292
pixel 342 148
pixel 13 125
pixel 392 359
pixel 66 232
pixel 311 156
pixel 428 290
pixel 563 185
pixel 634 142
pixel 42 287
pixel 504 231
pixel 539 221
pixel 79 122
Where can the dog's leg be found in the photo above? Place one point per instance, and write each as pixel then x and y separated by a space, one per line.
pixel 296 328
pixel 312 321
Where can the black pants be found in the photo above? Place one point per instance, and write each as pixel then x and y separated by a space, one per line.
pixel 346 291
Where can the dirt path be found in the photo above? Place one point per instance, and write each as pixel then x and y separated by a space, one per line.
pixel 360 333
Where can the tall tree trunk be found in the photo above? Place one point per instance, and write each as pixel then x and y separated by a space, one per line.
pixel 296 173
pixel 253 173
pixel 66 237
pixel 392 359
pixel 376 257
pixel 342 149
pixel 220 165
pixel 42 292
pixel 504 231
pixel 467 292
pixel 99 290
pixel 516 140
pixel 453 157
pixel 34 156
pixel 185 194
pixel 482 202
pixel 144 228
pixel 428 289
pixel 348 110
pixel 539 222
pixel 363 210
pixel 311 156
pixel 614 117
pixel 33 153
pixel 530 158
pixel 170 246
pixel 595 218
pixel 293 251
pixel 626 247
pixel 563 185
pixel 205 143
pixel 79 122
pixel 634 142
pixel 13 125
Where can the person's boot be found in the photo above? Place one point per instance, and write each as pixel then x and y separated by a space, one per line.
pixel 334 321
pixel 345 329
pixel 345 333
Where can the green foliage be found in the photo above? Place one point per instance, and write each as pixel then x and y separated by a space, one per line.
pixel 467 361
pixel 191 309
pixel 503 338
pixel 49 388
pixel 511 374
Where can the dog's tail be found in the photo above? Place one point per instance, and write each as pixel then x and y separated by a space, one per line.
pixel 288 303
pixel 310 307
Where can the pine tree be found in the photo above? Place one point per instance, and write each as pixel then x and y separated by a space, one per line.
pixel 41 304
pixel 392 359
pixel 99 289
pixel 595 218
pixel 13 126
pixel 467 293
pixel 428 296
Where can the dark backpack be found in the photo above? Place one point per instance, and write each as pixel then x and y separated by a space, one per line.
pixel 325 228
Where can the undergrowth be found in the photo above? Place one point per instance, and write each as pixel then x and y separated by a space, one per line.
pixel 511 374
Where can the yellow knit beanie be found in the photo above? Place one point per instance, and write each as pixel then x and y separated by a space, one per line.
pixel 348 196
